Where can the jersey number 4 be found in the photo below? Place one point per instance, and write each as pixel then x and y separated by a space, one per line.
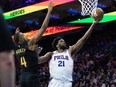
pixel 61 63
pixel 23 61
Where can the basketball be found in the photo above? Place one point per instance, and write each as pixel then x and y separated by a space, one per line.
pixel 98 14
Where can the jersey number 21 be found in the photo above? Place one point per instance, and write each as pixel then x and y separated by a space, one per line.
pixel 61 63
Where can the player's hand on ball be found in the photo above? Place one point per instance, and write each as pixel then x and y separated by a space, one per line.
pixel 98 15
pixel 50 5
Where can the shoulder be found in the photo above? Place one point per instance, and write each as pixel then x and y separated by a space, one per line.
pixel 70 49
pixel 71 53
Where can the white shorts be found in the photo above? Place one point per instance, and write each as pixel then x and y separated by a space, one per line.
pixel 59 83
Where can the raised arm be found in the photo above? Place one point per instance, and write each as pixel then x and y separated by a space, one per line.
pixel 39 34
pixel 76 47
pixel 45 58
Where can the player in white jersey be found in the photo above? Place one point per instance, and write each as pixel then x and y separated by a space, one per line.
pixel 61 60
pixel 59 68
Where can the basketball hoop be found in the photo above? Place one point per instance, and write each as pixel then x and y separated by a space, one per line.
pixel 88 7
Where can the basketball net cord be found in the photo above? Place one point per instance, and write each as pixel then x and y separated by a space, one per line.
pixel 88 7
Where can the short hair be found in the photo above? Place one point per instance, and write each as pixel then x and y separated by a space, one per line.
pixel 16 38
pixel 55 42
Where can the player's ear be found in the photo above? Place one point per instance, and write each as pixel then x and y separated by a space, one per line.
pixel 57 46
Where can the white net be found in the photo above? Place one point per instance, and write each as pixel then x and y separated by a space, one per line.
pixel 88 6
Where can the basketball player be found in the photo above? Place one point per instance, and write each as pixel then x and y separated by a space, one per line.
pixel 7 68
pixel 27 55
pixel 61 60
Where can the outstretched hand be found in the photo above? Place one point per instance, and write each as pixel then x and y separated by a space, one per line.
pixel 98 18
pixel 17 30
pixel 50 5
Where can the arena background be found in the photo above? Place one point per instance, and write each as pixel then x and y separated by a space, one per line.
pixel 95 63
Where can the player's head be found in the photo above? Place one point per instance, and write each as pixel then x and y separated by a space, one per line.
pixel 59 43
pixel 20 38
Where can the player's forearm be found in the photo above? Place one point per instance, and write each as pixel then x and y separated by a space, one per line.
pixel 40 60
pixel 37 37
pixel 75 48
pixel 44 26
pixel 46 20
pixel 88 33
pixel 45 58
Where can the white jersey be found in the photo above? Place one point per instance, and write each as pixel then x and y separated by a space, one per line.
pixel 61 66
